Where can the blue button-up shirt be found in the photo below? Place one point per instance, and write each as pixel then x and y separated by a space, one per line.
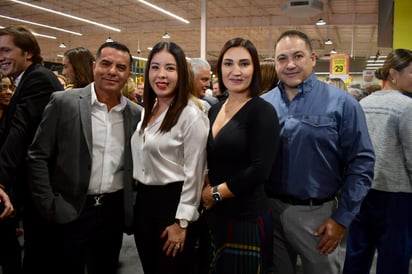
pixel 325 147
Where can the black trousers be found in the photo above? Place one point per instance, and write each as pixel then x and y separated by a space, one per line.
pixel 155 209
pixel 94 240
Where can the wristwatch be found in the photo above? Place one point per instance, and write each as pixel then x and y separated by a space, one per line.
pixel 182 223
pixel 216 195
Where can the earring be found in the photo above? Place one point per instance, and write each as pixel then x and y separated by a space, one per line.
pixel 394 81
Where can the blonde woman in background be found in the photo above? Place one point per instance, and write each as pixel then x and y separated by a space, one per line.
pixel 129 90
pixel 337 82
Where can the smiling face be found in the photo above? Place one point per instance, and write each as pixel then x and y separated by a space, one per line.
pixel 202 81
pixel 13 61
pixel 294 61
pixel 163 75
pixel 237 70
pixel 111 70
pixel 6 91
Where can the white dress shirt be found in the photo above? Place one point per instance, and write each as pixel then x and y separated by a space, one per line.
pixel 108 146
pixel 177 155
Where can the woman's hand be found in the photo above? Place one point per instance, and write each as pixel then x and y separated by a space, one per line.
pixel 175 239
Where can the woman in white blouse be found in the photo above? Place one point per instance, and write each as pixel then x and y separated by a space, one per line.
pixel 169 159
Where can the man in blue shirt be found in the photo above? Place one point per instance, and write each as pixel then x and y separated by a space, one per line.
pixel 325 165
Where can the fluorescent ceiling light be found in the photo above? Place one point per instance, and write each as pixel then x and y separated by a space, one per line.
pixel 328 42
pixel 37 34
pixel 164 11
pixel 40 25
pixel 321 22
pixel 44 35
pixel 139 58
pixel 374 65
pixel 67 15
pixel 379 57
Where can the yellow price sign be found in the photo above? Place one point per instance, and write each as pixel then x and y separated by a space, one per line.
pixel 339 64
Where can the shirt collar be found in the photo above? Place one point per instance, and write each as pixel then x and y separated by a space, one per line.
pixel 18 79
pixel 96 102
pixel 305 87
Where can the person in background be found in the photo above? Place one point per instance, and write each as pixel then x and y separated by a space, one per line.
pixel 80 167
pixel 139 93
pixel 21 59
pixel 221 96
pixel 129 90
pixel 9 260
pixel 201 69
pixel 269 76
pixel 78 67
pixel 169 159
pixel 385 219
pixel 337 82
pixel 372 88
pixel 63 81
pixel 241 149
pixel 326 157
pixel 6 92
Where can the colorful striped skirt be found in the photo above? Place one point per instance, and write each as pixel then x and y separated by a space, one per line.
pixel 241 246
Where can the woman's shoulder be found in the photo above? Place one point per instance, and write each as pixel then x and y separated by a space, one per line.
pixel 258 103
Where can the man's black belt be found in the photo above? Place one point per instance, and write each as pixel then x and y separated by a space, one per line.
pixel 100 199
pixel 308 202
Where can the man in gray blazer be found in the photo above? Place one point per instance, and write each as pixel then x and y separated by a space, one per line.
pixel 80 166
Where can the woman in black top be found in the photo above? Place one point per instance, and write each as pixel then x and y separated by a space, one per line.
pixel 242 144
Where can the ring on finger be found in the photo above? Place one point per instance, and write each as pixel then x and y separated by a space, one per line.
pixel 177 246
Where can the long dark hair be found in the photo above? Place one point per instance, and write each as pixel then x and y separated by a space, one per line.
pixel 254 88
pixel 81 60
pixel 181 92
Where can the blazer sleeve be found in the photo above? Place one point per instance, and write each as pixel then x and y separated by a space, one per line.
pixel 40 158
pixel 35 94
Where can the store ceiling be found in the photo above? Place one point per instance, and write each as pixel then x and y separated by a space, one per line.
pixel 352 25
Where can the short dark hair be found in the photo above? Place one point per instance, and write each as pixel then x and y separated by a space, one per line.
pixel 250 47
pixel 296 33
pixel 115 45
pixel 25 40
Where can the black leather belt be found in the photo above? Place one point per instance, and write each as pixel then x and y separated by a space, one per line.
pixel 100 199
pixel 308 202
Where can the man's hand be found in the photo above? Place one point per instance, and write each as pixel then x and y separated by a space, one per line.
pixel 333 233
pixel 6 204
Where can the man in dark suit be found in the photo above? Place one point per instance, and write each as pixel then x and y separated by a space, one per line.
pixel 20 58
pixel 81 169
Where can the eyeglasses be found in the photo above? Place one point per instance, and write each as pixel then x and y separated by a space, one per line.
pixel 4 87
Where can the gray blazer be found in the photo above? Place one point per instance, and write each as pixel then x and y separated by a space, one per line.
pixel 60 156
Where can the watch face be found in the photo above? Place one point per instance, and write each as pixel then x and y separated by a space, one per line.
pixel 183 223
pixel 216 197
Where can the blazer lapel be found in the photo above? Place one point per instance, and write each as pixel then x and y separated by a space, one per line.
pixel 85 115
